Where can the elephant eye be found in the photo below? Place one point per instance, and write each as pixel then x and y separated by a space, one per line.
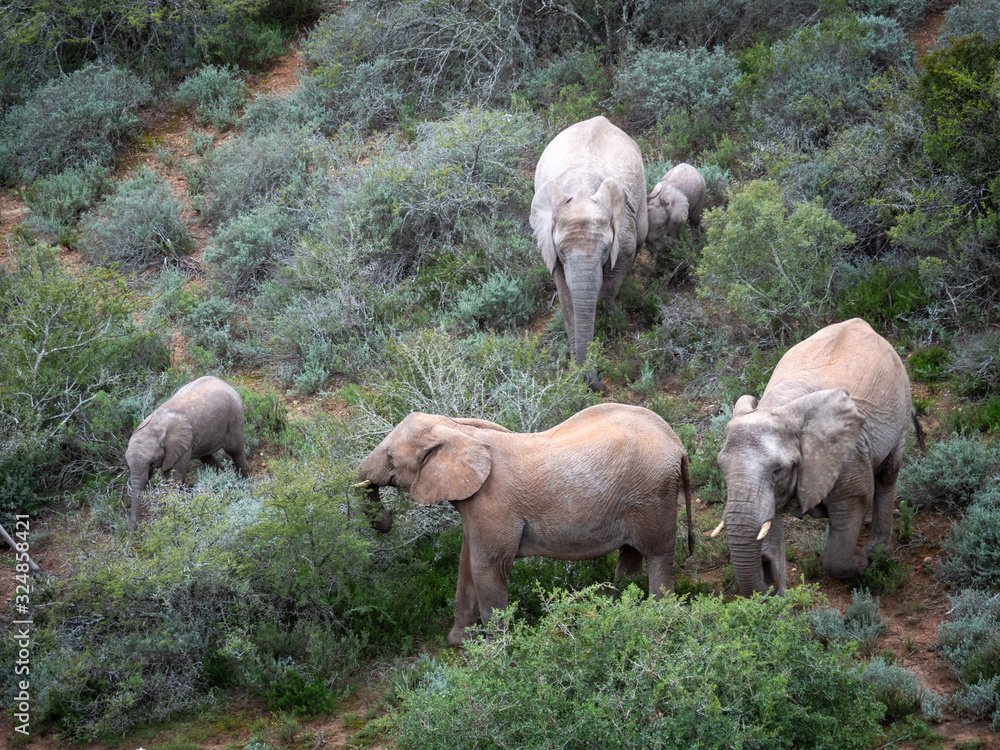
pixel 778 472
pixel 388 454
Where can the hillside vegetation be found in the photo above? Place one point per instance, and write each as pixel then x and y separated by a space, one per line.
pixel 357 247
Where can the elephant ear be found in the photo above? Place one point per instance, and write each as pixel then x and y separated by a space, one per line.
pixel 544 206
pixel 610 194
pixel 177 440
pixel 482 424
pixel 744 405
pixel 453 466
pixel 655 192
pixel 829 425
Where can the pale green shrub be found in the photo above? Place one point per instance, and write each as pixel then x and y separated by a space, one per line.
pixel 136 225
pixel 862 622
pixel 500 302
pixel 971 17
pixel 970 642
pixel 973 544
pixel 75 120
pixel 902 692
pixel 216 93
pixel 774 268
pixel 950 475
pixel 57 202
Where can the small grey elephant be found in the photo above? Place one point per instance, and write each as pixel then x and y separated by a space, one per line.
pixel 589 217
pixel 607 478
pixel 825 440
pixel 202 417
pixel 677 199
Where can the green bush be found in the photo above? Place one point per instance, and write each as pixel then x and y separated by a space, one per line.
pixel 772 267
pixel 135 226
pixel 971 418
pixel 973 544
pixel 862 622
pixel 884 296
pixel 215 93
pixel 901 691
pixel 800 90
pixel 971 17
pixel 886 573
pixel 73 362
pixel 601 672
pixel 970 642
pixel 928 365
pixel 907 12
pixel 501 302
pixel 950 475
pixel 688 91
pixel 961 104
pixel 253 170
pixel 305 106
pixel 73 121
pixel 571 87
pixel 379 60
pixel 246 250
pixel 56 203
pixel 976 364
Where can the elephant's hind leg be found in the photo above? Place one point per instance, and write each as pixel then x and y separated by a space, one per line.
pixel 884 502
pixel 629 561
pixel 240 459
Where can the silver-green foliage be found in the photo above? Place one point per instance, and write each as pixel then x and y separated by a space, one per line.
pixel 950 474
pixel 775 268
pixel 973 543
pixel 630 673
pixel 862 621
pixel 136 225
pixel 970 643
pixel 902 692
pixel 57 201
pixel 215 93
pixel 971 17
pixel 689 87
pixel 82 118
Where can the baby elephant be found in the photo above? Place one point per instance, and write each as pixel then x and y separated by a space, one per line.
pixel 607 478
pixel 678 198
pixel 195 422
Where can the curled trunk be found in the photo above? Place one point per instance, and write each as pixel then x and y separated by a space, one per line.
pixel 377 514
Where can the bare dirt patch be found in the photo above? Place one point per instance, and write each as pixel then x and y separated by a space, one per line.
pixel 924 35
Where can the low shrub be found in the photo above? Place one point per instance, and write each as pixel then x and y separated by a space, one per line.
pixel 886 573
pixel 73 121
pixel 971 17
pixel 976 417
pixel 500 303
pixel 862 622
pixel 973 544
pixel 906 12
pixel 902 692
pixel 976 365
pixel 632 673
pixel 884 296
pixel 305 106
pixel 970 643
pixel 215 93
pixel 928 365
pixel 774 268
pixel 949 475
pixel 136 225
pixel 57 202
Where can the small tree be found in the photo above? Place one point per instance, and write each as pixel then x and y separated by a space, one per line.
pixel 773 267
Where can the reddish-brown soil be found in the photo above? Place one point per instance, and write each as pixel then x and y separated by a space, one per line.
pixel 924 35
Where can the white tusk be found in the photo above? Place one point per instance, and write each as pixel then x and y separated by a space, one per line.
pixel 763 530
pixel 718 529
pixel 359 485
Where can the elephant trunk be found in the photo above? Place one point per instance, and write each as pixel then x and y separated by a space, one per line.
pixel 138 479
pixel 378 515
pixel 756 538
pixel 584 281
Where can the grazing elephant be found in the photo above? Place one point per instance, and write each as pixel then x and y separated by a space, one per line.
pixel 195 422
pixel 588 216
pixel 825 440
pixel 607 478
pixel 677 199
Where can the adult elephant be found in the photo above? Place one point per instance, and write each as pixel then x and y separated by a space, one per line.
pixel 607 478
pixel 203 417
pixel 588 216
pixel 677 199
pixel 825 440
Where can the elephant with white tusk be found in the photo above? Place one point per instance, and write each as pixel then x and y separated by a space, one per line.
pixel 589 216
pixel 825 440
pixel 203 417
pixel 607 478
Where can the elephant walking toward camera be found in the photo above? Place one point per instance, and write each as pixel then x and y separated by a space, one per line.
pixel 589 216
pixel 607 478
pixel 203 417
pixel 825 440
pixel 677 199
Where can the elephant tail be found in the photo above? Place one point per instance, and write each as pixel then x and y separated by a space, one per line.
pixel 686 480
pixel 917 428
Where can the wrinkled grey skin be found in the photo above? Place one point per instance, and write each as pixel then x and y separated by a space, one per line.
pixel 202 417
pixel 588 216
pixel 677 199
pixel 607 478
pixel 826 440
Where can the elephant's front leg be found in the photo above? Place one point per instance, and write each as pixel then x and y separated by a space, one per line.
pixel 843 559
pixel 490 575
pixel 466 605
